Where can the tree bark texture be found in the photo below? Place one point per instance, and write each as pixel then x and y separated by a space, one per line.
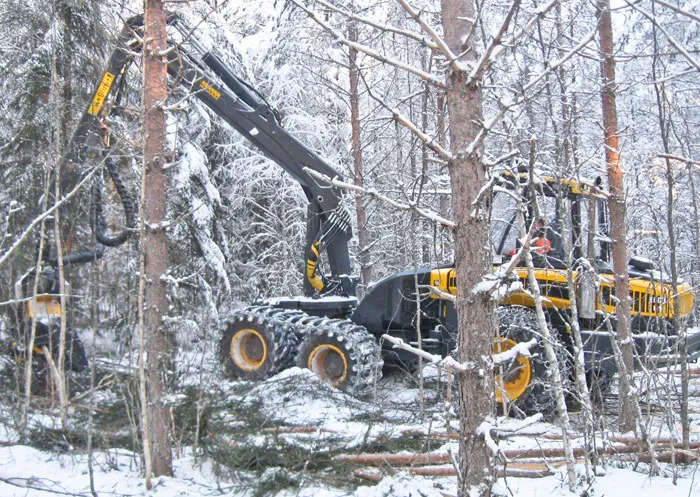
pixel 158 342
pixel 472 254
pixel 617 211
pixel 358 163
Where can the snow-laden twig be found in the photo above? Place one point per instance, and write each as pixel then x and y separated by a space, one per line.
pixel 679 158
pixel 512 426
pixel 382 27
pixel 509 42
pixel 519 349
pixel 368 51
pixel 485 60
pixel 439 293
pixel 484 430
pixel 506 106
pixel 443 362
pixel 668 35
pixel 678 10
pixel 37 220
pixel 437 39
pixel 428 214
pixel 429 142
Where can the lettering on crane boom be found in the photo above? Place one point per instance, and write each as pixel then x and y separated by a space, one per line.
pixel 210 90
pixel 101 94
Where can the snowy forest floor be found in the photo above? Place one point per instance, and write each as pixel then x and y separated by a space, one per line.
pixel 289 435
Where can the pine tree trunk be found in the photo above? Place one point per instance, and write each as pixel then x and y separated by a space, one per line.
pixel 158 342
pixel 472 258
pixel 617 214
pixel 360 209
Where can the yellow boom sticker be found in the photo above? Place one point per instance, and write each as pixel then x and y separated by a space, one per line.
pixel 101 94
pixel 210 90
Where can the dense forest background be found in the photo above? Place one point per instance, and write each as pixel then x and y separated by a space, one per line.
pixel 242 219
pixel 238 221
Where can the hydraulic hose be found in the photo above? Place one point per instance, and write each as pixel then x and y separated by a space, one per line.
pixel 99 225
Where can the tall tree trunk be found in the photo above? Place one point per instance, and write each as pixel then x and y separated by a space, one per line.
pixel 617 214
pixel 155 262
pixel 472 258
pixel 360 209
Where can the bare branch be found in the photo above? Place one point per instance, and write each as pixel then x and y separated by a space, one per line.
pixel 46 214
pixel 430 215
pixel 432 79
pixel 383 27
pixel 431 32
pixel 485 59
pixel 677 9
pixel 668 36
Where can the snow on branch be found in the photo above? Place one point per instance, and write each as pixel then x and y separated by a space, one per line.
pixel 431 32
pixel 382 27
pixel 509 42
pixel 368 51
pixel 519 349
pixel 679 159
pixel 668 36
pixel 485 60
pixel 429 142
pixel 443 362
pixel 484 430
pixel 678 10
pixel 506 106
pixel 439 293
pixel 30 227
pixel 428 214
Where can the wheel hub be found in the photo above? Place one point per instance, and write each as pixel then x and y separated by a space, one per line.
pixel 330 363
pixel 513 378
pixel 248 350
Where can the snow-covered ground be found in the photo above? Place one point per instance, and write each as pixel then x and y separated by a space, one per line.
pixel 290 430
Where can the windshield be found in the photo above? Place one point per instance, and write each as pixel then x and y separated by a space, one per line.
pixel 585 215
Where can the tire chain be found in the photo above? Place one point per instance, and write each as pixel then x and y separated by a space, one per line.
pixel 363 347
pixel 286 339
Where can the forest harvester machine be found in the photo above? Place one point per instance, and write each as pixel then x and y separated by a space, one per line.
pixel 328 330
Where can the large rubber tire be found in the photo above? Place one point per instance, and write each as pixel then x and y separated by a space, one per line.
pixel 342 353
pixel 257 343
pixel 526 382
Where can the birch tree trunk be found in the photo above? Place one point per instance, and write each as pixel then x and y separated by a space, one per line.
pixel 155 261
pixel 617 214
pixel 472 256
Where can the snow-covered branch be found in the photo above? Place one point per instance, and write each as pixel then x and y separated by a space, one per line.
pixel 668 35
pixel 437 39
pixel 678 10
pixel 506 106
pixel 432 79
pixel 382 27
pixel 485 60
pixel 430 215
pixel 37 220
pixel 679 159
pixel 429 141
pixel 443 362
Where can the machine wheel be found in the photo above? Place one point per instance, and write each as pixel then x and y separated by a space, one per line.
pixel 524 385
pixel 257 344
pixel 342 353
